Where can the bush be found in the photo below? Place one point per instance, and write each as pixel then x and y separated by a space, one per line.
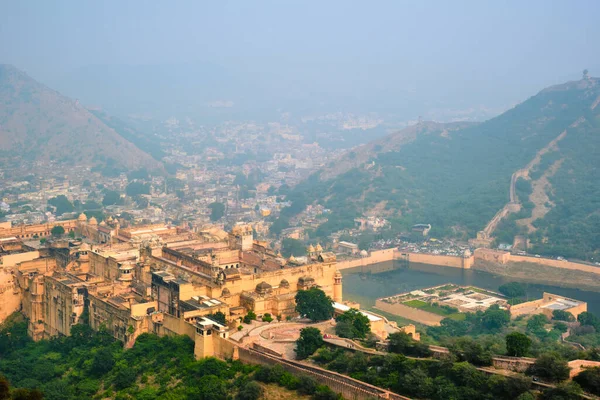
pixel 267 317
pixel 250 391
pixel 306 385
pixel 310 340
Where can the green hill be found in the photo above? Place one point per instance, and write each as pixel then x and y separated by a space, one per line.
pixel 458 179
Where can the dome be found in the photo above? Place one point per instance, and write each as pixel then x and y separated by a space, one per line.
pixel 467 253
pixel 84 247
pixel 284 283
pixel 263 287
pixel 82 217
pixel 93 221
pixel 102 223
pixel 292 258
pixel 311 249
pixel 225 293
pixel 363 253
pixel 318 248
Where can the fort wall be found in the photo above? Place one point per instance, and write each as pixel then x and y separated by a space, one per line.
pixel 374 257
pixel 10 299
pixel 349 388
pixel 440 260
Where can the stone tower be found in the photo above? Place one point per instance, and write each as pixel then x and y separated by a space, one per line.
pixel 337 287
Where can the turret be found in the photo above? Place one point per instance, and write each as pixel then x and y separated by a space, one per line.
pixel 337 286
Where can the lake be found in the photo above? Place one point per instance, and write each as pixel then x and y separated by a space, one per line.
pixel 366 284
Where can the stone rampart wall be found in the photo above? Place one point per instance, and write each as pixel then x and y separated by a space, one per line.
pixel 440 260
pixel 349 388
pixel 376 256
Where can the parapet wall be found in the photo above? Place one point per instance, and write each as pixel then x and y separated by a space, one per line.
pixel 376 256
pixel 348 387
pixel 435 259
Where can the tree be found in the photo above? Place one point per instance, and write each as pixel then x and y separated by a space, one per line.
pixel 217 210
pixel 102 362
pixel 314 304
pixel 267 317
pixel 562 315
pixel 588 319
pixel 279 225
pixel 550 366
pixel 218 317
pixel 137 188
pixel 589 380
pixel 467 349
pixel 310 340
pixel 360 323
pixel 111 197
pixel 251 316
pixel 495 319
pixel 517 344
pixel 250 391
pixel 294 247
pixel 512 289
pixel 62 204
pixel 403 343
pixel 563 391
pixel 536 324
pixel 57 231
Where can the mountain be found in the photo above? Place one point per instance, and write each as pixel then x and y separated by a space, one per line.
pixel 39 124
pixel 458 177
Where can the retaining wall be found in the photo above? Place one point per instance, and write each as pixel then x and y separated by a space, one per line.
pixel 414 314
pixel 376 256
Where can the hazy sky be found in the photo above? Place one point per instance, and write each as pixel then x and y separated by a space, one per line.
pixel 460 52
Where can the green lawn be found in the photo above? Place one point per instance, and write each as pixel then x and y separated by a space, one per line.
pixel 422 305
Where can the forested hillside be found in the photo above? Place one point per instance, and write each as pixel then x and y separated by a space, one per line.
pixel 458 180
pixel 93 365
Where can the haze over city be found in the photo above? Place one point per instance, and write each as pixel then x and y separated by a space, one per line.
pixel 299 200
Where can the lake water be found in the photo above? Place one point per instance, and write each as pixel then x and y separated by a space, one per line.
pixel 366 284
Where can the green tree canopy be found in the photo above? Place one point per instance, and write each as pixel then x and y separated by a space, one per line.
pixel 310 340
pixel 111 197
pixel 292 247
pixel 562 315
pixel 517 344
pixel 137 188
pixel 314 304
pixel 217 210
pixel 512 289
pixel 360 324
pixel 62 204
pixel 403 343
pixel 550 366
pixel 589 380
pixel 57 231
